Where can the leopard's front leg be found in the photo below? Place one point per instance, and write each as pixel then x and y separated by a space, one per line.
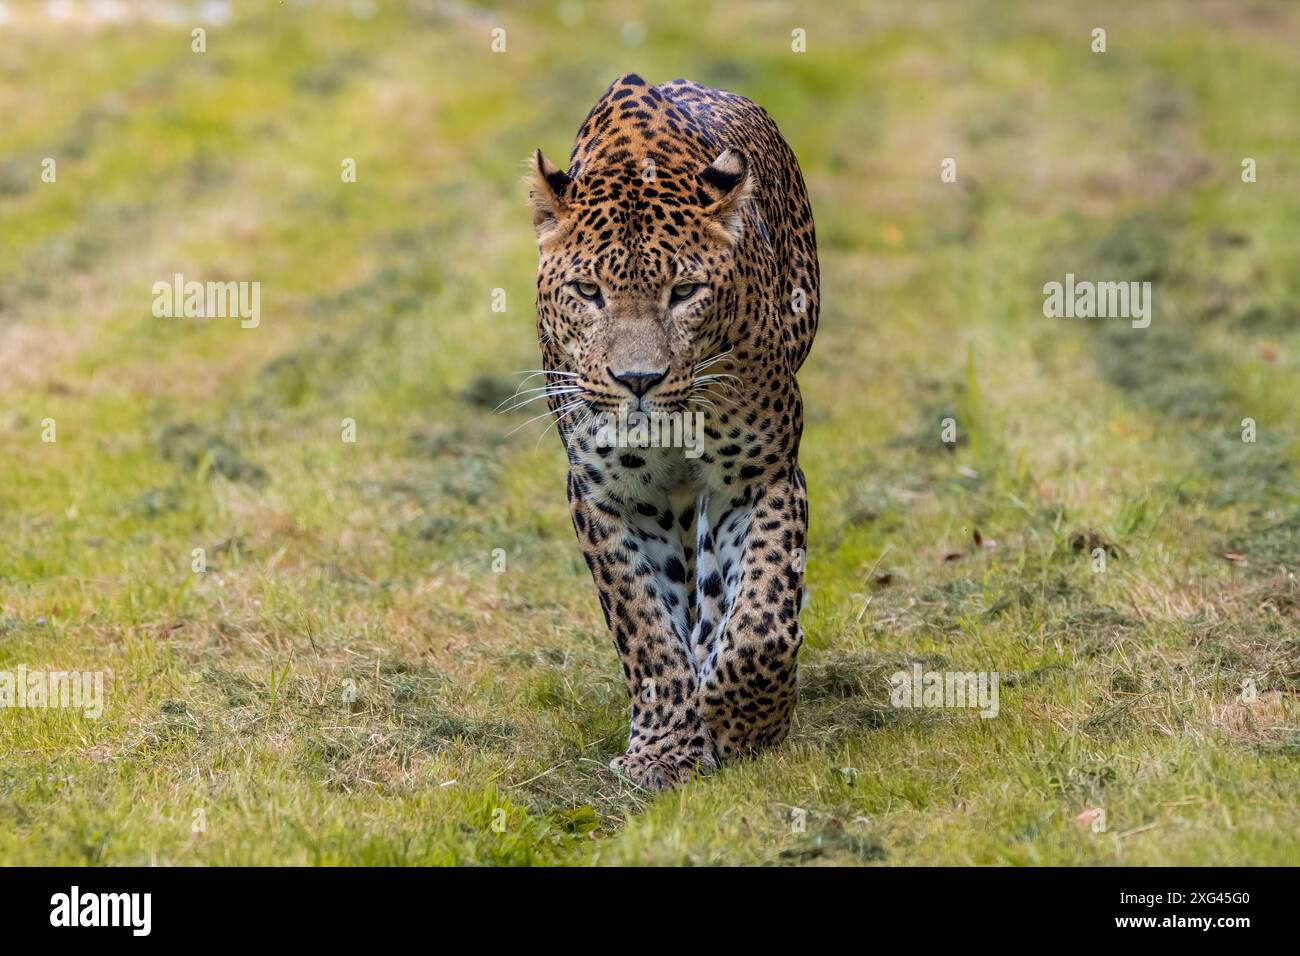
pixel 751 584
pixel 636 557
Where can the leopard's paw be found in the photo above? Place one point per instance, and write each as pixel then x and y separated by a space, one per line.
pixel 664 768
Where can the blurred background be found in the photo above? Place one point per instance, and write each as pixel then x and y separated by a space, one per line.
pixel 329 564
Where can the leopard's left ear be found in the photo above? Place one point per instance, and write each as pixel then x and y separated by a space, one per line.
pixel 725 188
pixel 547 187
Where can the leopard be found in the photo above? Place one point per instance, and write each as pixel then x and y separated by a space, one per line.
pixel 678 276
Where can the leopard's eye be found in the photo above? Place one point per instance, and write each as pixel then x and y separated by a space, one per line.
pixel 684 290
pixel 588 290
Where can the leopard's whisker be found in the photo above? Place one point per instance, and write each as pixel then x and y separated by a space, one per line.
pixel 525 404
pixel 528 401
pixel 712 360
pixel 532 373
pixel 543 388
pixel 581 424
pixel 728 382
pixel 716 376
pixel 557 422
pixel 556 387
pixel 730 388
pixel 715 396
pixel 539 388
pixel 538 418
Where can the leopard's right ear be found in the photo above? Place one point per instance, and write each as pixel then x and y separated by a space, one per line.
pixel 548 186
pixel 725 189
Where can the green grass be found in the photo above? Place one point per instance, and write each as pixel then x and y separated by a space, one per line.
pixel 349 681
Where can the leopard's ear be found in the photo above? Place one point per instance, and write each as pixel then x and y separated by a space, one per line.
pixel 547 188
pixel 725 189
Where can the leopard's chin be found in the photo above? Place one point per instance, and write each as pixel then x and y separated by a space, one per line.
pixel 652 408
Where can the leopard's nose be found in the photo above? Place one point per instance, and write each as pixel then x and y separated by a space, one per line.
pixel 640 381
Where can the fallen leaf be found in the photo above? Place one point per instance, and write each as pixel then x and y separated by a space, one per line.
pixel 1088 817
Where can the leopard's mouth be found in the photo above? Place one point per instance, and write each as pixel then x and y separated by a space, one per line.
pixel 663 401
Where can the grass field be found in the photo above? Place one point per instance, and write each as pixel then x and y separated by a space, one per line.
pixel 350 681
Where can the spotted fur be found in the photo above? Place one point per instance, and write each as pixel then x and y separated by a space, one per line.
pixel 676 189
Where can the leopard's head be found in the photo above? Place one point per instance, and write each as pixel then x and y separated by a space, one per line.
pixel 636 279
